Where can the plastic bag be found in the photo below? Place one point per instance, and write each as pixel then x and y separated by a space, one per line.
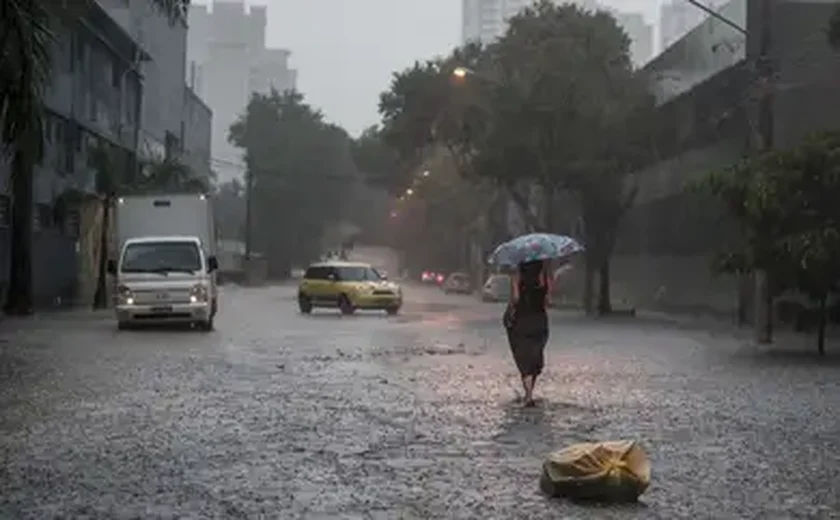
pixel 614 471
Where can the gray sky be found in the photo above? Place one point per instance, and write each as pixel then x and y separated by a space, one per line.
pixel 346 50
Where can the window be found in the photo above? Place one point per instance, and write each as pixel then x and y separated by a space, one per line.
pixel 69 137
pixel 43 218
pixel 72 220
pixel 5 211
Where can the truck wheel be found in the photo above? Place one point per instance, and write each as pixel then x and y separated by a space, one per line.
pixel 206 326
pixel 345 305
pixel 392 311
pixel 123 325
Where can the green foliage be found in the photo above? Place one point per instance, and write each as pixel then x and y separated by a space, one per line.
pixel 300 169
pixel 378 163
pixel 786 204
pixel 555 103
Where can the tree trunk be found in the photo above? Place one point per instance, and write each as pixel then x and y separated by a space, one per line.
pixel 100 298
pixel 604 302
pixel 589 287
pixel 19 299
pixel 822 325
pixel 763 309
pixel 531 220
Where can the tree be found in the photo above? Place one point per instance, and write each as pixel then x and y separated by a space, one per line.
pixel 813 245
pixel 554 104
pixel 26 40
pixel 299 168
pixel 379 164
pixel 230 210
pixel 785 204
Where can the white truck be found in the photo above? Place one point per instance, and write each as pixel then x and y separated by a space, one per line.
pixel 166 268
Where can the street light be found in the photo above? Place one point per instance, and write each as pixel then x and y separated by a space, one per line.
pixel 426 173
pixel 409 192
pixel 461 72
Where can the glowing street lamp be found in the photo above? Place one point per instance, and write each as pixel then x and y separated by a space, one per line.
pixel 426 173
pixel 461 72
pixel 409 192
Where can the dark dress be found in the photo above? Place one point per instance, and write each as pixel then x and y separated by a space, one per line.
pixel 527 328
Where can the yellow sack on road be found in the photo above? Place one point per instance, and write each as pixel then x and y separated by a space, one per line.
pixel 615 471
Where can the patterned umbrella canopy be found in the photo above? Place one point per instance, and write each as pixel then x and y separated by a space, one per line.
pixel 533 247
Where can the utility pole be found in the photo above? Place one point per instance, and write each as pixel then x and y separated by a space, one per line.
pixel 249 185
pixel 764 142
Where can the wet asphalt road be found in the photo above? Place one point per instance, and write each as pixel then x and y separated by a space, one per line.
pixel 277 415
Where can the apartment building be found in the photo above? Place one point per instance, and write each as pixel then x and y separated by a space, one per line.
pixel 228 60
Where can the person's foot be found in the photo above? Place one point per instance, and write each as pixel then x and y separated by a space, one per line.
pixel 530 403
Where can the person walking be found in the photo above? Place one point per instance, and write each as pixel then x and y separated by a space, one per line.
pixel 526 321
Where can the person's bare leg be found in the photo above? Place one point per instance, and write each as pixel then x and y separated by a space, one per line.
pixel 528 382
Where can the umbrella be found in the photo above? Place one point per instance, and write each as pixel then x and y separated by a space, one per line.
pixel 533 247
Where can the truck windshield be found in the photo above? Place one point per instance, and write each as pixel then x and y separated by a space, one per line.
pixel 161 257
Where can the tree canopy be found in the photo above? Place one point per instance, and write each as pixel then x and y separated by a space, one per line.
pixel 554 104
pixel 300 168
pixel 785 204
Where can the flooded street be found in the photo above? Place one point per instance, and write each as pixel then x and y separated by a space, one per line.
pixel 279 415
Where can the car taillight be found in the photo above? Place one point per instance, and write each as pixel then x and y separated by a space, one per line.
pixel 440 278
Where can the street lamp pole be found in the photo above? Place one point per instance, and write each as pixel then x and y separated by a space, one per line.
pixel 249 184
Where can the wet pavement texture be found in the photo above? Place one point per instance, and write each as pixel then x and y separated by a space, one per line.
pixel 279 415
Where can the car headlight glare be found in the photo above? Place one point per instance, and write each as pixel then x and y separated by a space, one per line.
pixel 125 295
pixel 198 293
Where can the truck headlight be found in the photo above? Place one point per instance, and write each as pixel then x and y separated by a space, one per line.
pixel 198 293
pixel 125 296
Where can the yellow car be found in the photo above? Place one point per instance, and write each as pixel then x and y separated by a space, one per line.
pixel 347 286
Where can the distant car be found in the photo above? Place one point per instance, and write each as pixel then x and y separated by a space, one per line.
pixel 432 277
pixel 496 288
pixel 348 286
pixel 457 283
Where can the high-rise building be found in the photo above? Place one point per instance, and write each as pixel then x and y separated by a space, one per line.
pixel 486 20
pixel 641 36
pixel 228 61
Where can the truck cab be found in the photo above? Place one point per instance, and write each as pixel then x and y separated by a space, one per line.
pixel 162 277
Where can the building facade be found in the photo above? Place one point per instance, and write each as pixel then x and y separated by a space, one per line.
pixel 704 84
pixel 228 62
pixel 161 129
pixel 92 105
pixel 678 17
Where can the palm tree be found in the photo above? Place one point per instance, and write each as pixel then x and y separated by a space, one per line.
pixel 26 42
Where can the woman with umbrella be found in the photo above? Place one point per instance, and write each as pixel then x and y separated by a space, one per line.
pixel 525 318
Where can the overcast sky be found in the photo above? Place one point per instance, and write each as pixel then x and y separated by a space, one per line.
pixel 346 50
